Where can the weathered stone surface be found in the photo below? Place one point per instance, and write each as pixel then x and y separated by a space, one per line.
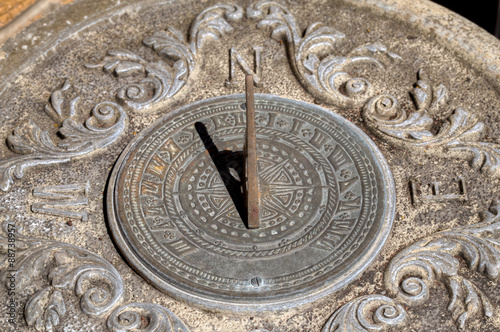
pixel 79 85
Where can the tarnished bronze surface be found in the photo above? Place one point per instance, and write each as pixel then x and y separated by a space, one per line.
pixel 177 213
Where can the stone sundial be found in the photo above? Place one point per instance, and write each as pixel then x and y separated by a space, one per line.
pixel 250 166
pixel 323 215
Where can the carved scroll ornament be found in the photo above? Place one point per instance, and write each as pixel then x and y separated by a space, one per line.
pixel 322 73
pixel 166 76
pixel 66 268
pixel 131 317
pixel 366 314
pixel 311 56
pixel 459 136
pixel 434 259
pixel 34 146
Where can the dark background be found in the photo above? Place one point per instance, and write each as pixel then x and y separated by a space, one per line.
pixel 482 12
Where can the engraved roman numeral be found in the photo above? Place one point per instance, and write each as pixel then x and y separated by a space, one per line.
pixel 229 120
pixel 239 118
pixel 330 239
pixel 152 211
pixel 272 119
pixel 296 126
pixel 235 58
pixel 181 247
pixel 69 195
pixel 353 204
pixel 342 227
pixel 344 185
pixel 162 224
pixel 338 158
pixel 318 139
pixel 436 196
pixel 151 188
pixel 157 166
pixel 220 121
pixel 329 242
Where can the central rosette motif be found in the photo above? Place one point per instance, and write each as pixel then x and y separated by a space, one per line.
pixel 288 182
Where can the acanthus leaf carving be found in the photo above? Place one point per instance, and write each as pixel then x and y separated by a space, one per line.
pixel 165 77
pixel 66 268
pixel 44 310
pixel 323 74
pixel 435 259
pixel 459 136
pixel 366 314
pixel 161 81
pixel 411 272
pixel 213 22
pixel 121 63
pixel 426 96
pixel 34 146
pixel 130 317
pixel 383 116
pixel 56 109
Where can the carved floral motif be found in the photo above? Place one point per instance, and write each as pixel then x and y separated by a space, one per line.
pixel 131 317
pixel 415 269
pixel 69 268
pixel 409 275
pixel 366 314
pixel 322 73
pixel 459 136
pixel 412 271
pixel 34 146
pixel 66 268
pixel 165 77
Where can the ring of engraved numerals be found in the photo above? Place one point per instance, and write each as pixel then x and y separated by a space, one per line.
pixel 319 199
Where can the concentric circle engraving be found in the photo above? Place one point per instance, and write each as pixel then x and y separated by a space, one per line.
pixel 176 204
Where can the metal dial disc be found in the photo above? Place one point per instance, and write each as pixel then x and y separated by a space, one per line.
pixel 327 200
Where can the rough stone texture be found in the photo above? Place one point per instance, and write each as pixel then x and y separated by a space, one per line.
pixel 453 52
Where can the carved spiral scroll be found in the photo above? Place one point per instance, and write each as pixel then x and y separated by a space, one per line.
pixel 96 301
pixel 166 76
pixel 68 268
pixel 34 146
pixel 383 116
pixel 323 74
pixel 366 314
pixel 459 136
pixel 412 271
pixel 131 317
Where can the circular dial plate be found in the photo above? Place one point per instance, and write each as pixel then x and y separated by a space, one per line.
pixel 175 200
